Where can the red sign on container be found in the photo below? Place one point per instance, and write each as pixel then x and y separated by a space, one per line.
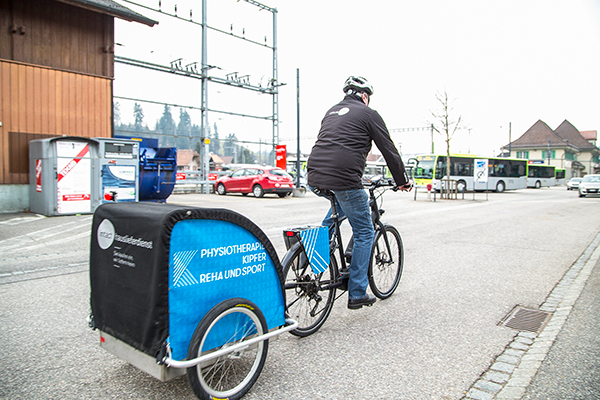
pixel 280 156
pixel 38 175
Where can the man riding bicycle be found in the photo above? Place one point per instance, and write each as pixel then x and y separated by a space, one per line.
pixel 337 162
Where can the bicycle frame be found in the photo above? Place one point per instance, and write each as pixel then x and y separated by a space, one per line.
pixel 312 293
pixel 336 239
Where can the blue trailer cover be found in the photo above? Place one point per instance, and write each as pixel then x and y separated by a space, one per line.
pixel 156 269
pixel 213 260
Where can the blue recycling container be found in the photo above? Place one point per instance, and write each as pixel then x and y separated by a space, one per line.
pixel 158 170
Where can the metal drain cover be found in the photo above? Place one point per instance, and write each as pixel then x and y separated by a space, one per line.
pixel 526 319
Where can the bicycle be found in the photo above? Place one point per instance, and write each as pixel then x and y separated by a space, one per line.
pixel 310 296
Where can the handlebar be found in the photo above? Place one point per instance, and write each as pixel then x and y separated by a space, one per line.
pixel 389 182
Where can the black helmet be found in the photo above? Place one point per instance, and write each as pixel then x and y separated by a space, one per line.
pixel 358 84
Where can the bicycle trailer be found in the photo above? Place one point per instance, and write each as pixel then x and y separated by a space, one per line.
pixel 176 288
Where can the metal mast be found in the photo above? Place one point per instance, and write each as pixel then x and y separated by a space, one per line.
pixel 275 84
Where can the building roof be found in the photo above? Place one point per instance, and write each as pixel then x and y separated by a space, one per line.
pixel 567 131
pixel 110 7
pixel 217 159
pixel 539 133
pixel 185 156
pixel 589 135
pixel 226 159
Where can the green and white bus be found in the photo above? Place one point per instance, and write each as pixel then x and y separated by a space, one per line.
pixel 503 173
pixel 539 174
pixel 560 175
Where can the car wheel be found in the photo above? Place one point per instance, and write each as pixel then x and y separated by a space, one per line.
pixel 258 191
pixel 221 189
pixel 282 195
pixel 244 194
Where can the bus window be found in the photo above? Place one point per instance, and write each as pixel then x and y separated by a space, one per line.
pixel 517 168
pixel 461 166
pixel 498 168
pixel 440 168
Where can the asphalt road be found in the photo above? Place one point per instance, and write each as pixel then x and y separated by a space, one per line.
pixel 468 263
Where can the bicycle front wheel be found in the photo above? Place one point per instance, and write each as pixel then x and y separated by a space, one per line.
pixel 387 259
pixel 309 296
pixel 231 375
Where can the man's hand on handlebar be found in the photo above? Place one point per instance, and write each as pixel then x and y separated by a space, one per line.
pixel 405 188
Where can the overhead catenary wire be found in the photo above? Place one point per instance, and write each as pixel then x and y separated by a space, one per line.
pixel 190 20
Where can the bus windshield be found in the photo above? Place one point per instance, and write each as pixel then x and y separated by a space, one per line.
pixel 424 169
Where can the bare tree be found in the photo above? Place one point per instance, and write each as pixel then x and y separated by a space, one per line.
pixel 445 124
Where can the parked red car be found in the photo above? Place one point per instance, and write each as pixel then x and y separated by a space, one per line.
pixel 256 180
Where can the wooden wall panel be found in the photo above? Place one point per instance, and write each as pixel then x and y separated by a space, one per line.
pixel 5 115
pixel 39 102
pixel 57 35
pixel 5 23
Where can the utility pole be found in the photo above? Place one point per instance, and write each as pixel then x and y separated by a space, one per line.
pixel 276 84
pixel 204 100
pixel 432 149
pixel 509 138
pixel 298 127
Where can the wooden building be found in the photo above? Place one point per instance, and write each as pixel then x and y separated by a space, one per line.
pixel 56 73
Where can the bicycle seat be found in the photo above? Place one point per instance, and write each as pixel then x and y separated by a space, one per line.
pixel 324 192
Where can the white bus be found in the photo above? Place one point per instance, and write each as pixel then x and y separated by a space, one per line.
pixel 539 175
pixel 503 173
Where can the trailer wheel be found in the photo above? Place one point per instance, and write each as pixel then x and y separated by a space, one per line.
pixel 229 376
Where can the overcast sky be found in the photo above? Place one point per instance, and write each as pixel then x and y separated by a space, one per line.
pixel 501 62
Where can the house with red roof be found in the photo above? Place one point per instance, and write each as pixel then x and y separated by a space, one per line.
pixel 564 147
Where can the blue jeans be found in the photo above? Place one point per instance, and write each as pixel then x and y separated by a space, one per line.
pixel 354 204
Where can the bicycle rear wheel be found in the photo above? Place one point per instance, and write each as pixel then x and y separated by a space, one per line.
pixel 387 259
pixel 309 296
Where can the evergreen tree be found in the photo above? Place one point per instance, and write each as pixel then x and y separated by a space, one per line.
pixel 117 115
pixel 230 146
pixel 184 130
pixel 215 143
pixel 166 126
pixel 248 156
pixel 138 114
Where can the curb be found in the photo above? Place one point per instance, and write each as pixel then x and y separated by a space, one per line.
pixel 512 371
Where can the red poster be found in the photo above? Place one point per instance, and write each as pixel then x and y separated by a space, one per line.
pixel 280 156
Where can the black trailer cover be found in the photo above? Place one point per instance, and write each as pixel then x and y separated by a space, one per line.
pixel 129 267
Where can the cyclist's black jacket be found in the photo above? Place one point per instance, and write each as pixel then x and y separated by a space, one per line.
pixel 338 158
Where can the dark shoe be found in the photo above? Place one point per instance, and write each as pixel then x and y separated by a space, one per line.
pixel 368 300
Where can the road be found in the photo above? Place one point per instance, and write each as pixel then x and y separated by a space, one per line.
pixel 467 264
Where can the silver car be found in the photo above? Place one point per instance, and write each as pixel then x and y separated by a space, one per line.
pixel 573 183
pixel 590 185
